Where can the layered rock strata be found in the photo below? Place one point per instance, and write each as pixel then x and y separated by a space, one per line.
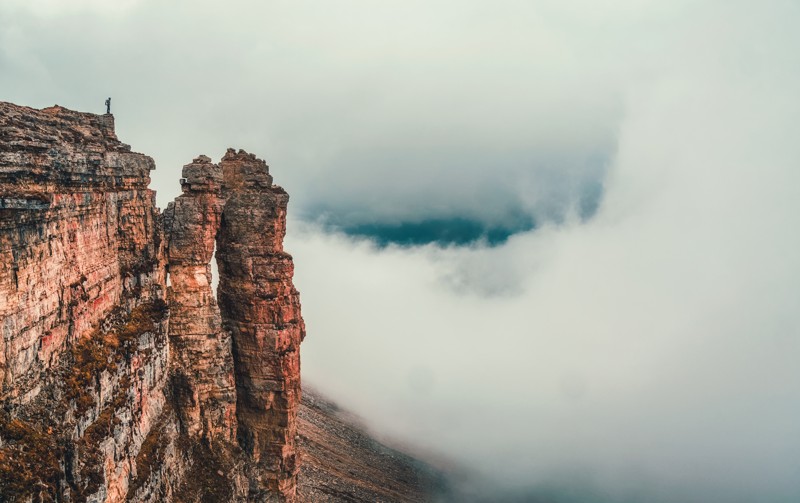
pixel 261 309
pixel 83 354
pixel 254 336
pixel 203 381
pixel 79 235
pixel 115 387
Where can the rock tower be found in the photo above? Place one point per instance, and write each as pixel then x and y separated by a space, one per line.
pixel 123 377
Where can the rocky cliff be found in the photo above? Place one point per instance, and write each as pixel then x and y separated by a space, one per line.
pixel 123 378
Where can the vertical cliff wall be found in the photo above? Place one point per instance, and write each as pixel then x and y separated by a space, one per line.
pixel 203 381
pixel 79 235
pixel 113 386
pixel 237 365
pixel 83 354
pixel 261 310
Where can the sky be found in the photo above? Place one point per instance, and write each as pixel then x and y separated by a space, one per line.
pixel 554 242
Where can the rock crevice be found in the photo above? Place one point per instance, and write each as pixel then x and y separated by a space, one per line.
pixel 246 349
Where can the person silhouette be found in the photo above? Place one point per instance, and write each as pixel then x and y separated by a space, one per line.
pixel 108 105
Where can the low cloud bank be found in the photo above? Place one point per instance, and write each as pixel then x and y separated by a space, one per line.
pixel 648 354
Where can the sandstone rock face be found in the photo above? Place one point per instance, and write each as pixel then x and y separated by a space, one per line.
pixel 237 366
pixel 79 235
pixel 84 355
pixel 113 386
pixel 261 309
pixel 203 381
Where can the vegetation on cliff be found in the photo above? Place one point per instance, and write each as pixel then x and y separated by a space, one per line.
pixel 37 451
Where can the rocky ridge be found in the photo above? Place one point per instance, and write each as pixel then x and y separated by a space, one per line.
pixel 123 377
pixel 115 386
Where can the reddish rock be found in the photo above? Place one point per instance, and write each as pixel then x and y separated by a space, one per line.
pixel 261 310
pixel 78 231
pixel 82 282
pixel 236 367
pixel 202 364
pixel 113 386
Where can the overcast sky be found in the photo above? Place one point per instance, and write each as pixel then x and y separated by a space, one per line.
pixel 637 336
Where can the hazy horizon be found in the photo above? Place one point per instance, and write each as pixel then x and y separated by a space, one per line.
pixel 555 242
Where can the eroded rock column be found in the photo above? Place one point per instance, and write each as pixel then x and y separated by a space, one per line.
pixel 261 310
pixel 202 376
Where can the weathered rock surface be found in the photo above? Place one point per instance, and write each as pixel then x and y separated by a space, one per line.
pixel 123 377
pixel 115 386
pixel 261 310
pixel 237 366
pixel 83 357
pixel 79 236
pixel 203 382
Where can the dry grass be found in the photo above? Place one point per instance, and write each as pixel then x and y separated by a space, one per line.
pixel 33 457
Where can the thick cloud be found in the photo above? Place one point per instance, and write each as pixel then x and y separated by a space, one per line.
pixel 648 353
pixel 373 113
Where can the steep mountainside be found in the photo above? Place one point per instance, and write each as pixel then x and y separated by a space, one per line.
pixel 342 463
pixel 84 354
pixel 122 376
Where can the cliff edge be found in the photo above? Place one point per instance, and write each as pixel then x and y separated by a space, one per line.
pixel 122 376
